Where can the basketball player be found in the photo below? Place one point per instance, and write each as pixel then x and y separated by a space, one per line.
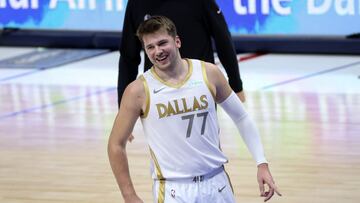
pixel 175 100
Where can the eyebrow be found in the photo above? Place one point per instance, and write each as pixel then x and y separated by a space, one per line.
pixel 148 46
pixel 159 42
pixel 162 41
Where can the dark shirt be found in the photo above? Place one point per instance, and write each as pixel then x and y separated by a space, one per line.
pixel 197 22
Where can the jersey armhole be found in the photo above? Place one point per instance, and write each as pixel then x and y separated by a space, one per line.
pixel 147 99
pixel 206 79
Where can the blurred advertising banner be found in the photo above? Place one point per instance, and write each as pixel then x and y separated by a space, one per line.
pixel 244 17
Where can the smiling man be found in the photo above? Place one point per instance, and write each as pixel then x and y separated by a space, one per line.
pixel 175 100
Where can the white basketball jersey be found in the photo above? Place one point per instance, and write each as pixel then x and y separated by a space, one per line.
pixel 181 125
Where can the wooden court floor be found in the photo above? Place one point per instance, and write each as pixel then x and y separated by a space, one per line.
pixel 53 136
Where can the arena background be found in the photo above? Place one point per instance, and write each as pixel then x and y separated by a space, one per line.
pixel 58 105
pixel 309 26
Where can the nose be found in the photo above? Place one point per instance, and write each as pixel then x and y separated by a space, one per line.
pixel 158 50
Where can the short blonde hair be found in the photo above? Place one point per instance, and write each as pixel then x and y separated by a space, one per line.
pixel 154 24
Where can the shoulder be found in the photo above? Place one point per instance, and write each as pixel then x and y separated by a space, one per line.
pixel 134 94
pixel 217 81
pixel 211 74
pixel 212 70
pixel 136 87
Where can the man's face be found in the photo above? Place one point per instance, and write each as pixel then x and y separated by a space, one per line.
pixel 161 48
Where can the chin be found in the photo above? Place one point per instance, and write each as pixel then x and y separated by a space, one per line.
pixel 163 66
pixel 164 63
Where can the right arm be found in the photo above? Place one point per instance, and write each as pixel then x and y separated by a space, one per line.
pixel 130 48
pixel 130 109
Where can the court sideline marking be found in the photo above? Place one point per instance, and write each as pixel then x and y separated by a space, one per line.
pixel 22 74
pixel 80 56
pixel 243 58
pixel 309 75
pixel 55 103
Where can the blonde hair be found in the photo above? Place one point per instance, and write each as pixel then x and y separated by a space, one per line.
pixel 154 24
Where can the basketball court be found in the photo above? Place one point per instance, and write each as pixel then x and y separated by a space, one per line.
pixel 55 123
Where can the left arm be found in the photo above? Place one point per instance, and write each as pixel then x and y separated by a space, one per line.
pixel 249 133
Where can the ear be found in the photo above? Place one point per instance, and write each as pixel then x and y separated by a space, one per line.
pixel 177 41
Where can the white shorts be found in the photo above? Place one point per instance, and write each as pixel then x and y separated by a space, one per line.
pixel 200 189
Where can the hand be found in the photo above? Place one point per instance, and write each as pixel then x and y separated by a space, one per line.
pixel 264 177
pixel 131 138
pixel 241 96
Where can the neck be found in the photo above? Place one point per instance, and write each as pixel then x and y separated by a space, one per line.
pixel 176 73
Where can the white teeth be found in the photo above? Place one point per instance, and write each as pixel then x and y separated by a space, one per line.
pixel 161 58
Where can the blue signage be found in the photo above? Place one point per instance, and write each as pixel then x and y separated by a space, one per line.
pixel 244 17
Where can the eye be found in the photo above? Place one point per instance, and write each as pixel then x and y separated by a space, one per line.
pixel 162 43
pixel 149 48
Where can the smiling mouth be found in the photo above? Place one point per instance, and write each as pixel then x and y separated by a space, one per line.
pixel 161 58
